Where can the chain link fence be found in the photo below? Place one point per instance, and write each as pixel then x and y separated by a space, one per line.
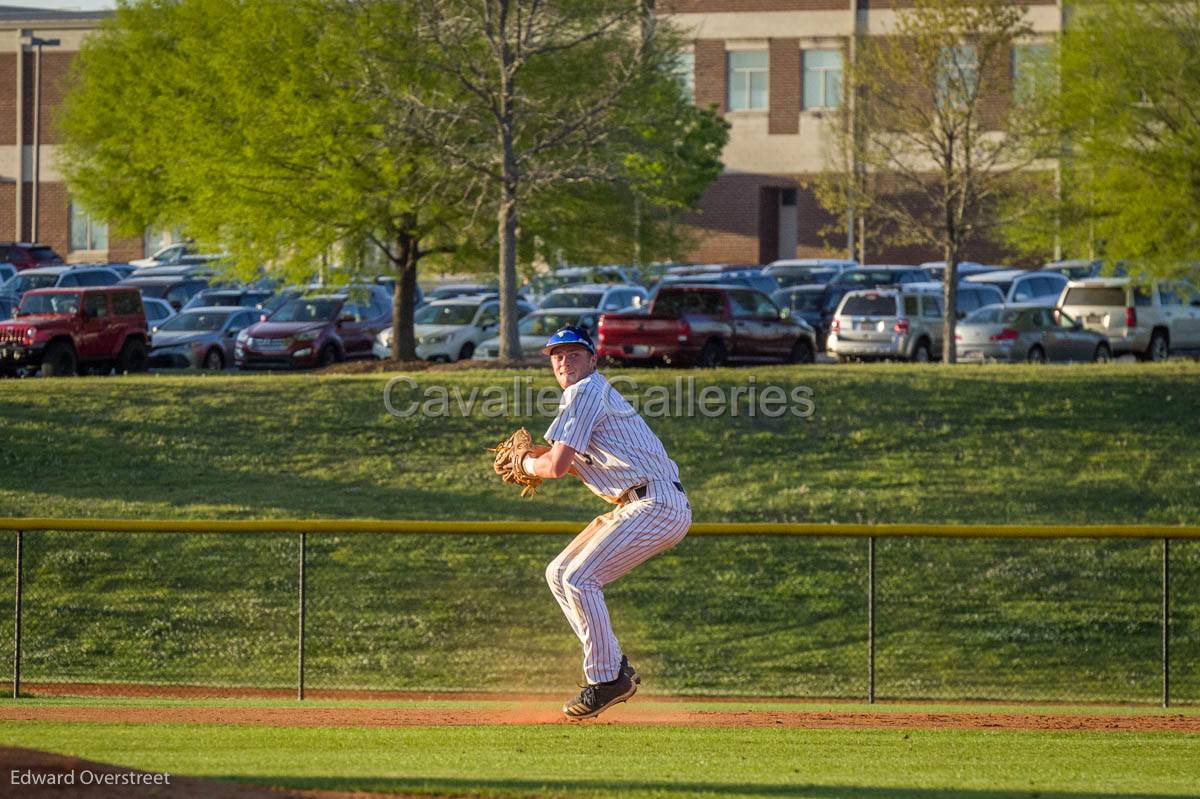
pixel 1074 620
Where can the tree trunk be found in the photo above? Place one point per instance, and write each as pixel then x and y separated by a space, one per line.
pixel 509 213
pixel 404 343
pixel 950 303
pixel 510 341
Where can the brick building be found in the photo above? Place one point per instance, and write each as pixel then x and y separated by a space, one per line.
pixel 28 139
pixel 773 68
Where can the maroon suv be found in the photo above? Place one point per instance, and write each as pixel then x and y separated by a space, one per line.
pixel 316 330
pixel 64 331
pixel 23 255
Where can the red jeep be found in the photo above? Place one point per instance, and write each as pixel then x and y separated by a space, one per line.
pixel 65 331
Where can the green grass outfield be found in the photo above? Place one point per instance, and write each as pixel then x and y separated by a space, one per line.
pixel 886 443
pixel 644 761
pixel 766 617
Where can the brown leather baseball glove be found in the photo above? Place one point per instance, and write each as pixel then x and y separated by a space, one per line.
pixel 509 454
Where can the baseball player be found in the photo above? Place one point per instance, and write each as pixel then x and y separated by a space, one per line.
pixel 599 438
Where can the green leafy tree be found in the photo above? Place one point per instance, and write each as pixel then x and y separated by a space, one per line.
pixel 1128 110
pixel 246 124
pixel 924 149
pixel 540 100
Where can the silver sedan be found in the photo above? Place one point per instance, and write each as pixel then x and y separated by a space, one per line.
pixel 1027 332
pixel 199 338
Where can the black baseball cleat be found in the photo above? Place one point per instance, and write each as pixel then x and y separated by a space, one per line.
pixel 595 699
pixel 627 669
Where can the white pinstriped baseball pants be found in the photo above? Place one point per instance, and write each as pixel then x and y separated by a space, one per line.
pixel 608 548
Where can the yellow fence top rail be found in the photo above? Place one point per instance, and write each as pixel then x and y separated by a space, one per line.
pixel 381 526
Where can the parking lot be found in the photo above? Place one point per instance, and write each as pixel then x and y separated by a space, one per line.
pixel 184 313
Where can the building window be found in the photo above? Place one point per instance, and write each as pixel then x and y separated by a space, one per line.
pixel 86 232
pixel 747 80
pixel 822 78
pixel 958 78
pixel 1031 64
pixel 684 70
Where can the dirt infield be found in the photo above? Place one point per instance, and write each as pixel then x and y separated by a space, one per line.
pixel 540 712
pixel 64 777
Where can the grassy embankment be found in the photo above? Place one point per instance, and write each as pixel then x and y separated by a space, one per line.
pixel 1055 619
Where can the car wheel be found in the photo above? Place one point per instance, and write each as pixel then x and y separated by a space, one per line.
pixel 712 355
pixel 466 352
pixel 214 360
pixel 1159 348
pixel 802 352
pixel 329 355
pixel 59 360
pixel 921 353
pixel 133 357
pixel 1036 354
pixel 1102 355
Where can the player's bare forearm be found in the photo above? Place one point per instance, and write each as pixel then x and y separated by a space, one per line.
pixel 555 461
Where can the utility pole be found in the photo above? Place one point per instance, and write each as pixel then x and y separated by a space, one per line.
pixel 847 97
pixel 38 44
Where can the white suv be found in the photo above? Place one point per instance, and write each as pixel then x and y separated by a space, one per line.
pixel 450 330
pixel 602 296
pixel 1150 320
pixel 1023 285
pixel 888 322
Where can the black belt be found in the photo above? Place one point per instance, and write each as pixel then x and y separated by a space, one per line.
pixel 640 491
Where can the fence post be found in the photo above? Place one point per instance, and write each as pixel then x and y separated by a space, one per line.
pixel 871 620
pixel 1166 622
pixel 300 631
pixel 16 686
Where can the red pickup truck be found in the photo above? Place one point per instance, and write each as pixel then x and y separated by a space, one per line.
pixel 706 326
pixel 61 331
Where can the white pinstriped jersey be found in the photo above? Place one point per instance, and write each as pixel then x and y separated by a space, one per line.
pixel 615 449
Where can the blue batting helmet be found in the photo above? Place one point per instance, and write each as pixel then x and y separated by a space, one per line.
pixel 571 334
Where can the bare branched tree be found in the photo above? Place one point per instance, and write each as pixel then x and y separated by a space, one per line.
pixel 935 137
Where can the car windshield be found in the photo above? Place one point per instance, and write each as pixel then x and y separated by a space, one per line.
pixel 800 300
pixel 451 314
pixel 1022 316
pixel 450 292
pixel 196 321
pixel 1003 285
pixel 869 277
pixel 832 298
pixel 1106 296
pixel 676 303
pixel 307 310
pixel 572 299
pixel 870 305
pixel 806 277
pixel 33 304
pixel 546 324
pixel 215 298
pixel 273 304
pixel 20 284
pixel 983 316
pixel 155 311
